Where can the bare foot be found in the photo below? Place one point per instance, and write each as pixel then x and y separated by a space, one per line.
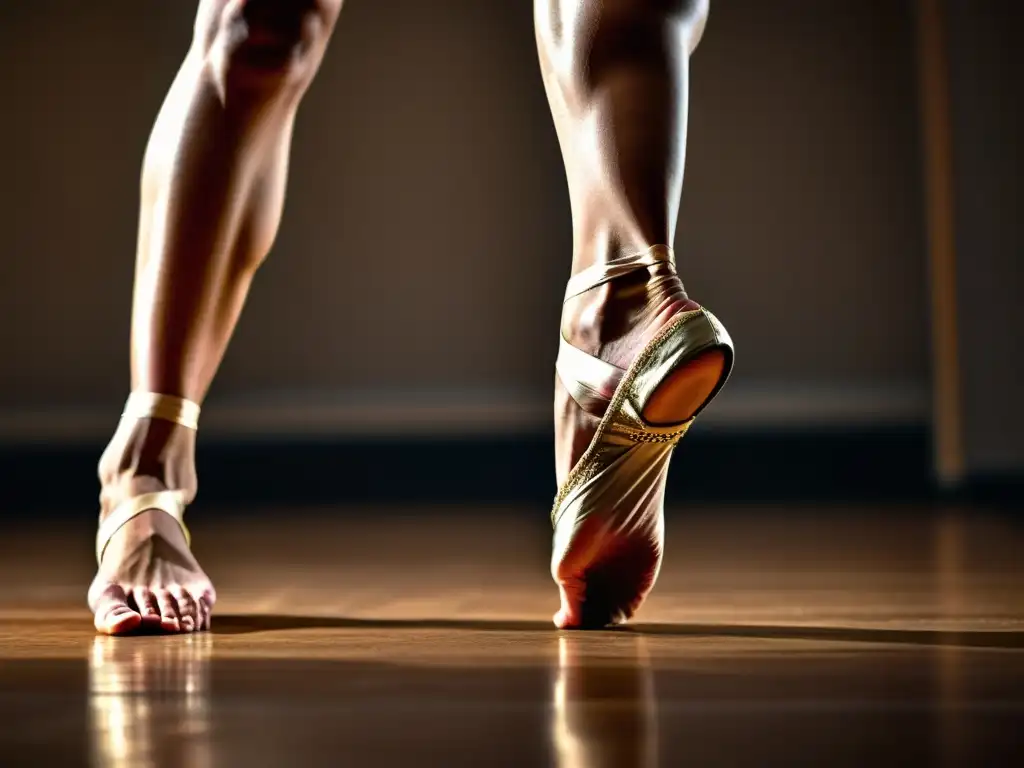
pixel 609 563
pixel 148 579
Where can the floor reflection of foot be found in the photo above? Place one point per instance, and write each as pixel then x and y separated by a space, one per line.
pixel 149 702
pixel 605 713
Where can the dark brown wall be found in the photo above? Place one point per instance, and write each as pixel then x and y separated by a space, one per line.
pixel 988 123
pixel 426 238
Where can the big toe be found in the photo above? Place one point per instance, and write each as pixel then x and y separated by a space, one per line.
pixel 112 613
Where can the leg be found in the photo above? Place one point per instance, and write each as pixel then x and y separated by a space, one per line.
pixel 616 76
pixel 213 186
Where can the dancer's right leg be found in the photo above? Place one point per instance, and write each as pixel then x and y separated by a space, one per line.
pixel 213 184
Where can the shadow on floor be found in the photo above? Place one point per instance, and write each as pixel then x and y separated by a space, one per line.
pixel 241 624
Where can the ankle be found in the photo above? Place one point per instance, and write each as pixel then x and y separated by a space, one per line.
pixel 145 456
pixel 605 247
pixel 609 311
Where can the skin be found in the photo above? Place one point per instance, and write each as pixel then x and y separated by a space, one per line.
pixel 616 73
pixel 213 184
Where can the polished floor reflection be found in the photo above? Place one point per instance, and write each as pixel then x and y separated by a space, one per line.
pixel 777 637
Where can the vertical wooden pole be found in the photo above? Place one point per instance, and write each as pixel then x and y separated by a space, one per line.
pixel 937 139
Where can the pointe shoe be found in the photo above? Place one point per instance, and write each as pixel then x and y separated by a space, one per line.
pixel 142 405
pixel 608 515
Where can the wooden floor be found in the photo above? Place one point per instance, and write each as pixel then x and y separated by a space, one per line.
pixel 377 637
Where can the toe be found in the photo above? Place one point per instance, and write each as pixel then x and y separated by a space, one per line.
pixel 571 593
pixel 204 612
pixel 113 615
pixel 188 610
pixel 169 617
pixel 601 597
pixel 147 604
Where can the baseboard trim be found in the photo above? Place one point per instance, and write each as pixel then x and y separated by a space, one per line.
pixel 827 464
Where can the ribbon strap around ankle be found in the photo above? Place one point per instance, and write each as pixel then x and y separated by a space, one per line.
pixel 143 405
pixel 599 274
pixel 171 502
pixel 590 381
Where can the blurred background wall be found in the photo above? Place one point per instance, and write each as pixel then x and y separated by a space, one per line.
pixel 417 280
pixel 988 126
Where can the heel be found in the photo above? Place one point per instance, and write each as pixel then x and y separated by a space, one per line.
pixel 682 369
pixel 686 390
